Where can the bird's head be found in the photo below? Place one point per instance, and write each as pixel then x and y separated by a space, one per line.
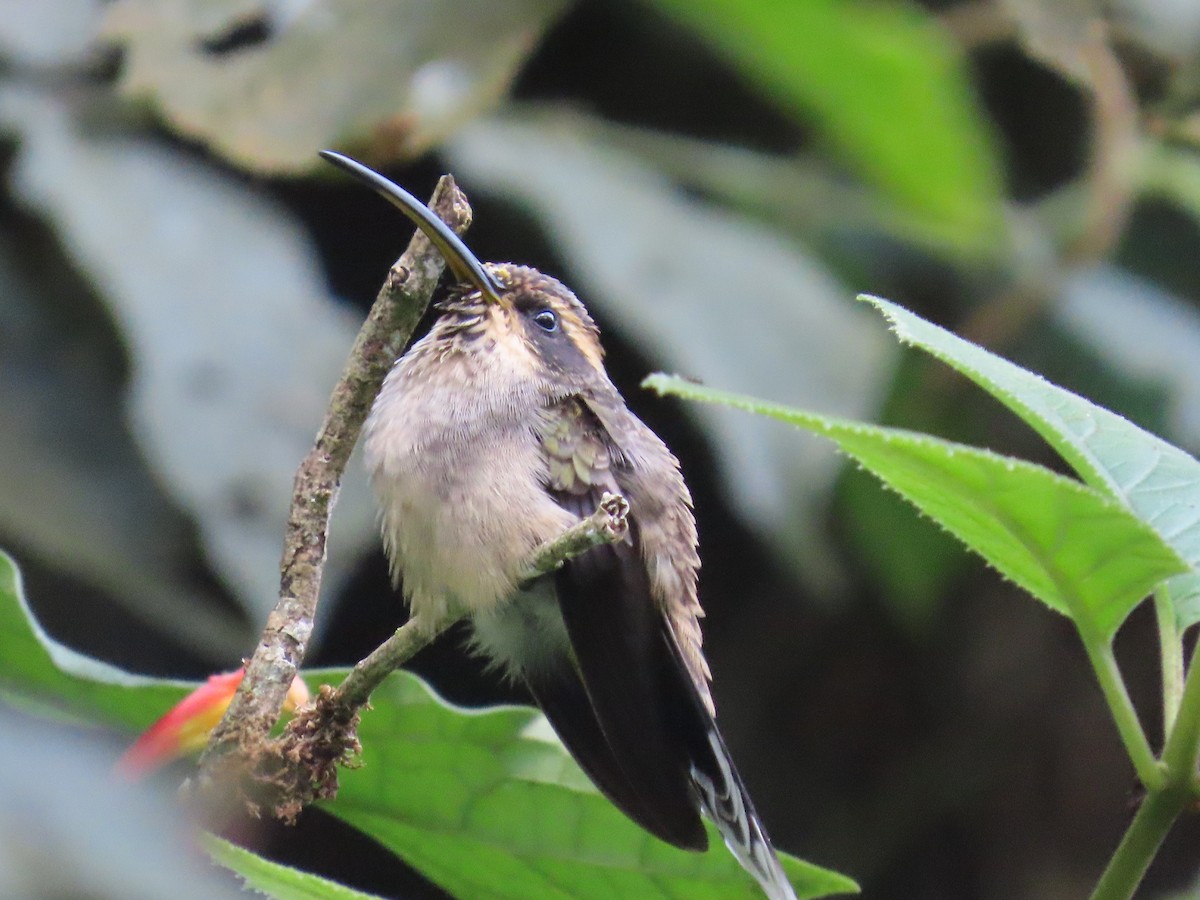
pixel 499 306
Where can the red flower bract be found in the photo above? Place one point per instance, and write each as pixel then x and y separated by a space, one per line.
pixel 186 726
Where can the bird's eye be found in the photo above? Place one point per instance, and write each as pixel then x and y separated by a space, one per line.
pixel 546 319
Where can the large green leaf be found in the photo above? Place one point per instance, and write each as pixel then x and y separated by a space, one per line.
pixel 1157 481
pixel 485 802
pixel 488 804
pixel 276 880
pixel 884 84
pixel 1067 544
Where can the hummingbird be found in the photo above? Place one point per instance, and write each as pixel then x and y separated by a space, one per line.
pixel 492 435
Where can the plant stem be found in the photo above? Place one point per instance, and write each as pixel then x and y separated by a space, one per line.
pixel 1141 841
pixel 1181 752
pixel 1100 652
pixel 607 525
pixel 1171 657
pixel 1164 803
pixel 369 672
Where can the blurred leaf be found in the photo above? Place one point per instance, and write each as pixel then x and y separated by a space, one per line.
pixel 47 32
pixel 234 342
pixel 486 803
pixel 1170 29
pixel 72 831
pixel 887 88
pixel 804 193
pixel 913 559
pixel 41 674
pixel 267 85
pixel 1157 481
pixel 276 880
pixel 75 493
pixel 708 293
pixel 1071 547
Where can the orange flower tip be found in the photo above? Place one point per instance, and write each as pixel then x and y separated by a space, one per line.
pixel 185 728
pixel 297 695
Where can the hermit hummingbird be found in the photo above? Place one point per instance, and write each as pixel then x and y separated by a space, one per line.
pixel 491 436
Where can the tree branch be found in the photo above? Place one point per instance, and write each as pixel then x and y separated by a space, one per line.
pixel 244 730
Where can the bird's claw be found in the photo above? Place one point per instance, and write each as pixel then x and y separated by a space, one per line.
pixel 616 509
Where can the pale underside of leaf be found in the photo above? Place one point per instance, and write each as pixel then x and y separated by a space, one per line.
pixel 234 340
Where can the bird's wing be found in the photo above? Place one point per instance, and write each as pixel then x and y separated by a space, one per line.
pixel 610 715
pixel 647 692
pixel 563 699
pixel 649 478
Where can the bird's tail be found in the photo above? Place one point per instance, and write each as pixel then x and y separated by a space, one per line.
pixel 725 801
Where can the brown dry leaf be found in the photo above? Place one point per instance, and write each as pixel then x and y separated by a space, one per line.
pixel 269 84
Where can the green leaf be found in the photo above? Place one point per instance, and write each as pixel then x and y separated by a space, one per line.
pixel 485 802
pixel 884 84
pixel 488 804
pixel 1157 481
pixel 278 881
pixel 38 672
pixel 1070 546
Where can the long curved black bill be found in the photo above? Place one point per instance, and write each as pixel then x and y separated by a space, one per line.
pixel 462 262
